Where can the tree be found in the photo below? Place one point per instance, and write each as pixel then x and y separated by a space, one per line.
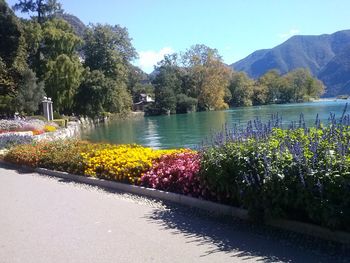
pixel 185 104
pixel 11 43
pixel 7 89
pixel 109 49
pixel 90 96
pixel 167 83
pixel 303 85
pixel 209 75
pixel 30 93
pixel 98 93
pixel 270 86
pixel 118 99
pixel 260 94
pixel 165 100
pixel 138 82
pixel 59 38
pixel 33 34
pixel 63 76
pixel 12 57
pixel 42 8
pixel 241 87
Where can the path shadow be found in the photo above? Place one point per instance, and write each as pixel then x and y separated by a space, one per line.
pixel 245 240
pixel 18 169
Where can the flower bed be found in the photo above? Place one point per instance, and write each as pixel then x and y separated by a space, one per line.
pixel 296 173
pixel 13 132
pixel 34 125
pixel 14 138
pixel 124 163
pixel 176 172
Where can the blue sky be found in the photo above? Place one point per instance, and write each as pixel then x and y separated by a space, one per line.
pixel 234 27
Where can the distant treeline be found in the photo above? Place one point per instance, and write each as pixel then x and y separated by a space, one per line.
pixel 199 80
pixel 93 74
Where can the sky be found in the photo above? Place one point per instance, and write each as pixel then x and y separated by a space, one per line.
pixel 235 28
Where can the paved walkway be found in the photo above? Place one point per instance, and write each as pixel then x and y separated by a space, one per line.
pixel 45 219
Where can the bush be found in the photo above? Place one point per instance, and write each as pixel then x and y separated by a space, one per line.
pixel 59 155
pixel 61 122
pixel 185 104
pixel 176 172
pixel 301 174
pixel 56 115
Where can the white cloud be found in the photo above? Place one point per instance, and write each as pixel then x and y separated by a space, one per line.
pixel 290 33
pixel 149 58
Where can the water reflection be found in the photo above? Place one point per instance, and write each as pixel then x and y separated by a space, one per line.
pixel 151 139
pixel 188 130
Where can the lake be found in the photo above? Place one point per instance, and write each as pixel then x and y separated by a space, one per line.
pixel 188 130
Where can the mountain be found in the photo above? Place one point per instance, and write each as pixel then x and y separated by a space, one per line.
pixel 336 74
pixel 326 56
pixel 78 26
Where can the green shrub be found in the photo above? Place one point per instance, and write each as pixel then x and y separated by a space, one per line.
pixel 56 115
pixel 296 174
pixel 61 122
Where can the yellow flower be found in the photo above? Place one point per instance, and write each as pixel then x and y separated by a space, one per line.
pixel 122 162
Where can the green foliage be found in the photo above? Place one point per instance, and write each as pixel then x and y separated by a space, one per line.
pixel 295 174
pixel 12 57
pixel 10 33
pixel 30 93
pixel 59 38
pixel 56 115
pixel 165 100
pixel 198 75
pixel 296 86
pixel 241 87
pixel 108 48
pixel 7 87
pixel 33 35
pixel 118 99
pixel 138 83
pixel 90 96
pixel 63 76
pixel 185 104
pixel 42 8
pixel 303 85
pixel 61 122
pixel 210 77
pixel 98 93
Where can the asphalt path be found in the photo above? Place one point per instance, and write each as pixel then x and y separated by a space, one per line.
pixel 45 219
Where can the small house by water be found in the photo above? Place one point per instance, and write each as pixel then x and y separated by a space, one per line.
pixel 144 99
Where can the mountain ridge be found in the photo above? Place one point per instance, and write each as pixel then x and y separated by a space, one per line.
pixel 313 52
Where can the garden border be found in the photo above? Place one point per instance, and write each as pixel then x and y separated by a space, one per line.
pixel 220 209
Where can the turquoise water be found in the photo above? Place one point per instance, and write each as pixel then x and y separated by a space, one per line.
pixel 188 130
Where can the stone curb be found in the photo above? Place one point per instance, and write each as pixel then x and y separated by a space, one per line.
pixel 220 209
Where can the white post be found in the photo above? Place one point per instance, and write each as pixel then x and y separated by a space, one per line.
pixel 50 109
pixel 46 108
